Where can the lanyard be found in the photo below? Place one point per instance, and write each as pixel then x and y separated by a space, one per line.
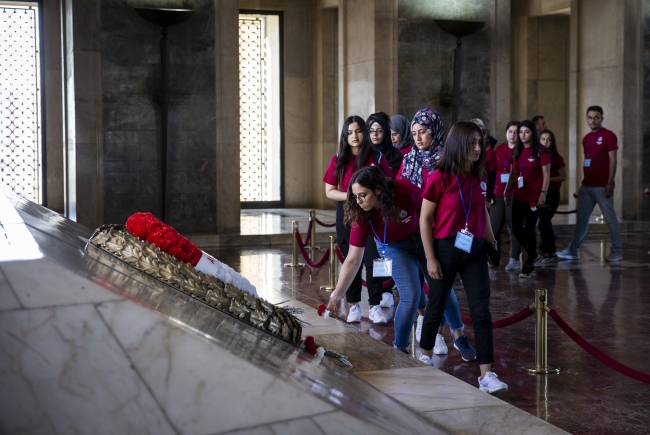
pixel 462 200
pixel 521 160
pixel 507 159
pixel 383 246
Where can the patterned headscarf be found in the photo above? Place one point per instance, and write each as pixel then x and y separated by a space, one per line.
pixel 416 160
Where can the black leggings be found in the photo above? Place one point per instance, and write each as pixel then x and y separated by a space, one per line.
pixel 353 295
pixel 545 227
pixel 524 221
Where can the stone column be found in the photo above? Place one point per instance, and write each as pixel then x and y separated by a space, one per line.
pixel 226 13
pixel 500 68
pixel 607 56
pixel 83 112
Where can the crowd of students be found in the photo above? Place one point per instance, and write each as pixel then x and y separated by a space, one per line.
pixel 422 209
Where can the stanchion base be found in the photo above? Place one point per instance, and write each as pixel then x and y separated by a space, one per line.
pixel 534 370
pixel 327 288
pixel 299 265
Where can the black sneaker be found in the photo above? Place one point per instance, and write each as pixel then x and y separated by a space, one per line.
pixel 466 350
pixel 550 259
pixel 528 271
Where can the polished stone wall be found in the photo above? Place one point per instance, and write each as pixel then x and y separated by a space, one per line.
pixel 131 83
pixel 426 60
pixel 645 207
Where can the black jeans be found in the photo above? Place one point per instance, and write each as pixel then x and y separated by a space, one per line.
pixel 545 227
pixel 353 295
pixel 473 270
pixel 524 221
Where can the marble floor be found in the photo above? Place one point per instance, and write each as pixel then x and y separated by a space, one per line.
pixel 606 303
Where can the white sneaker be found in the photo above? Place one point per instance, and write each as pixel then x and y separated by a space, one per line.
pixel 491 383
pixel 387 300
pixel 427 360
pixel 376 315
pixel 513 264
pixel 568 254
pixel 440 347
pixel 418 329
pixel 354 316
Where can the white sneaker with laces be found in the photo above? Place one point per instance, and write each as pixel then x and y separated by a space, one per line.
pixel 513 264
pixel 418 329
pixel 376 315
pixel 491 383
pixel 427 360
pixel 354 316
pixel 440 347
pixel 387 300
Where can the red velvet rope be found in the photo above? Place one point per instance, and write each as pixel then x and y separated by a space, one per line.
pixel 324 224
pixel 316 264
pixel 591 350
pixel 507 321
pixel 308 238
pixel 340 256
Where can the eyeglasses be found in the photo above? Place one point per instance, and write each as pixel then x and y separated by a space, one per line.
pixel 360 197
pixel 379 131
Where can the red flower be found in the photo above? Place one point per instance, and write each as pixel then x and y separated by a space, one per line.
pixel 309 341
pixel 312 349
pixel 321 309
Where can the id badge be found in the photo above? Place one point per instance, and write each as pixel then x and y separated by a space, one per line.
pixel 587 163
pixel 464 241
pixel 520 182
pixel 504 178
pixel 382 267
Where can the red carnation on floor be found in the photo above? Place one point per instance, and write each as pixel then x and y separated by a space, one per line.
pixel 312 349
pixel 309 341
pixel 321 309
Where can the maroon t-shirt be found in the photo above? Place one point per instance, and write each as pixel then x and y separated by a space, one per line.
pixel 415 190
pixel 406 149
pixel 597 146
pixel 449 215
pixel 395 231
pixel 556 165
pixel 330 177
pixel 501 163
pixel 530 165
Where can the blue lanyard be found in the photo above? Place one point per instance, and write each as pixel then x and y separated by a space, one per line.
pixel 462 200
pixel 521 162
pixel 383 246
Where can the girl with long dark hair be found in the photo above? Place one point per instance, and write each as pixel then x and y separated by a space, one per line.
pixel 455 200
pixel 385 210
pixel 355 152
pixel 417 167
pixel 529 177
pixel 500 213
pixel 558 175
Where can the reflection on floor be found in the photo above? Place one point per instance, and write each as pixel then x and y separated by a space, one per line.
pixel 606 303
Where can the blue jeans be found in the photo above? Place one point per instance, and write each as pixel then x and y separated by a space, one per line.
pixel 408 260
pixel 588 197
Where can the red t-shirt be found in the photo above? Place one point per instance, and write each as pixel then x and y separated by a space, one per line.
pixel 350 169
pixel 597 146
pixel 449 216
pixel 395 231
pixel 501 163
pixel 531 167
pixel 406 149
pixel 415 190
pixel 558 163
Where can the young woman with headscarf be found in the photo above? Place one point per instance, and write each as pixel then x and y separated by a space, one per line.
pixel 355 152
pixel 417 166
pixel 400 133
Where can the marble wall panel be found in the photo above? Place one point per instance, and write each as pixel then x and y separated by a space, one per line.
pixel 63 372
pixel 176 365
pixel 8 299
pixel 645 156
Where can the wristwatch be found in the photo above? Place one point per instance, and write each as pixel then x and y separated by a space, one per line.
pixel 493 242
pixel 545 192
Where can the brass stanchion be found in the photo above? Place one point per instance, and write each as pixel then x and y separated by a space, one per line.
pixel 312 235
pixel 294 248
pixel 541 339
pixel 602 251
pixel 333 260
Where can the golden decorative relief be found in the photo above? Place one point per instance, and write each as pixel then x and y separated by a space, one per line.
pixel 184 277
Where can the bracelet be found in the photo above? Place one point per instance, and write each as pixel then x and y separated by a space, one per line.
pixel 493 242
pixel 545 192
